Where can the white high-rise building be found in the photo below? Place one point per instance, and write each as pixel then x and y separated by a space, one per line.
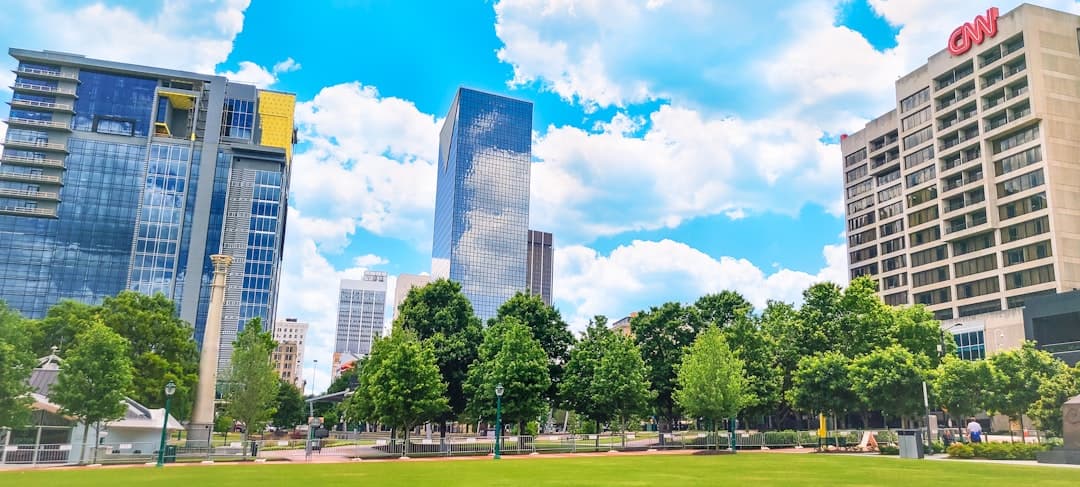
pixel 290 334
pixel 361 314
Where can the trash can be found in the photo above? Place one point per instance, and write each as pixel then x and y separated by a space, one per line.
pixel 911 445
pixel 254 449
pixel 170 453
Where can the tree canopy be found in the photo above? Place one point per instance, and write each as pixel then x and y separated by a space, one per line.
pixel 662 333
pixel 251 384
pixel 889 380
pixel 511 357
pixel 443 317
pixel 961 386
pixel 547 327
pixel 16 363
pixel 711 382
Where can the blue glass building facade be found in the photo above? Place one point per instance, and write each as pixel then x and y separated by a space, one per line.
pixel 115 176
pixel 482 198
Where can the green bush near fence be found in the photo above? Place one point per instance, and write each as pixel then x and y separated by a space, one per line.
pixel 996 451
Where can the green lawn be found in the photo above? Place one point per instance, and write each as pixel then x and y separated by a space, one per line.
pixel 757 469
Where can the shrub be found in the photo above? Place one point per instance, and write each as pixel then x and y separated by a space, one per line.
pixel 888 450
pixel 1007 451
pixel 937 447
pixel 886 437
pixel 960 450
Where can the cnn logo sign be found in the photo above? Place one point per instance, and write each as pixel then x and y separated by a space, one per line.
pixel 973 33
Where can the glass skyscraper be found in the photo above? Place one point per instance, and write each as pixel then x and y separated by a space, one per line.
pixel 115 176
pixel 482 198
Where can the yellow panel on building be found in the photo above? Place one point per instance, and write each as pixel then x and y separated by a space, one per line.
pixel 276 113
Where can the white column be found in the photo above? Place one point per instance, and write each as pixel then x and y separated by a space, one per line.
pixel 202 415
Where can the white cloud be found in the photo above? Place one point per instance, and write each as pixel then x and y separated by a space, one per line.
pixel 191 35
pixel 645 273
pixel 259 76
pixel 684 165
pixel 367 159
pixel 251 73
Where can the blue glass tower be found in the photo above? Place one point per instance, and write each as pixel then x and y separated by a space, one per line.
pixel 482 198
pixel 115 176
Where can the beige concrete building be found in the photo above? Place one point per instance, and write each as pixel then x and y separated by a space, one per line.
pixel 288 358
pixel 966 197
pixel 405 282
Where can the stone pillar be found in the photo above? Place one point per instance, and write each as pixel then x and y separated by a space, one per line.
pixel 201 426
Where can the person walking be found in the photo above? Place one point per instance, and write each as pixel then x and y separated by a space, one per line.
pixel 974 431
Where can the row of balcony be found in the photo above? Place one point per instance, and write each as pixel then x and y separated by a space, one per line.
pixel 32 161
pixel 58 107
pixel 46 74
pixel 28 194
pixel 30 178
pixel 28 211
pixel 50 90
pixel 36 145
pixel 32 123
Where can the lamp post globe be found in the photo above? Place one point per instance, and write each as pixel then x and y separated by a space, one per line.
pixel 498 421
pixel 170 389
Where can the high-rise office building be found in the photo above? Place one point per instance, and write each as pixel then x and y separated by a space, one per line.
pixel 538 267
pixel 116 176
pixel 288 358
pixel 405 282
pixel 482 198
pixel 965 197
pixel 361 313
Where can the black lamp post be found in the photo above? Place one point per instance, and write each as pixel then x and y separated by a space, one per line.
pixel 170 389
pixel 498 421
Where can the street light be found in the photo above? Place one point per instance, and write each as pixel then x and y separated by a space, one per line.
pixel 170 388
pixel 314 366
pixel 498 421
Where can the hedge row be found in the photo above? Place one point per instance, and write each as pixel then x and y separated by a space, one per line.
pixel 996 451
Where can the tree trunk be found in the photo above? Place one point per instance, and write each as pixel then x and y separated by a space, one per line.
pixel 865 420
pixel 405 444
pixel 597 447
pixel 85 436
pixel 1023 435
pixel 97 434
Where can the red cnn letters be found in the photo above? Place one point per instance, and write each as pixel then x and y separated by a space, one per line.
pixel 973 33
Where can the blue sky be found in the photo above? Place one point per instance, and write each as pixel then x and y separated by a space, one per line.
pixel 680 147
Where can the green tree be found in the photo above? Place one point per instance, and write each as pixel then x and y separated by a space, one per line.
pixel 162 348
pixel 1052 396
pixel 62 323
pixel 915 329
pixel 16 362
pixel 1021 373
pixel 662 334
pixel 443 317
pixel 578 386
pixel 509 355
pixel 547 327
pixel 94 377
pixel 752 345
pixel 620 384
pixel 289 410
pixel 724 308
pixel 821 384
pixel 711 380
pixel 862 314
pixel 889 380
pixel 961 386
pixel 400 384
pixel 251 384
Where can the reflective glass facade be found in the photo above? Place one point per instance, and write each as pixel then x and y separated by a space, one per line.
pixel 84 253
pixel 160 228
pixel 482 198
pixel 114 104
pixel 259 288
pixel 970 345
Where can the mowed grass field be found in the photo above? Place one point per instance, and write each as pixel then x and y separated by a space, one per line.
pixel 757 469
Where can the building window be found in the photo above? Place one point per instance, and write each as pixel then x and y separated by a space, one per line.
pixel 976 265
pixel 980 287
pixel 891 228
pixel 943 314
pixel 860 188
pixel 1030 277
pixel 973 243
pixel 889 193
pixel 919 157
pixel 895 281
pixel 931 276
pixel 922 196
pixel 1026 229
pixel 916 119
pixel 893 245
pixel 928 256
pixel 1021 183
pixel 936 296
pixel 925 236
pixel 855 174
pixel 892 263
pixel 979 308
pixel 1018 161
pixel 860 221
pixel 864 254
pixel 238 118
pixel 913 101
pixel 924 215
pixel 860 205
pixel 1014 139
pixel 1027 253
pixel 888 177
pixel 970 345
pixel 919 137
pixel 896 299
pixel 1018 301
pixel 862 237
pixel 1023 206
pixel 855 157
